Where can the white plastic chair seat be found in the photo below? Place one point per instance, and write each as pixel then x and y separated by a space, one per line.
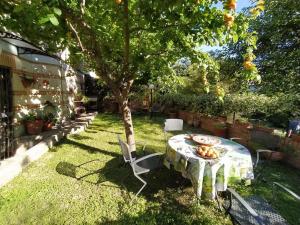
pixel 173 125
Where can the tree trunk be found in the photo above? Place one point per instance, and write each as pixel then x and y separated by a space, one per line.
pixel 128 125
pixel 126 113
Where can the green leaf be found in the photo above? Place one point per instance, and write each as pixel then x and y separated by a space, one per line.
pixel 18 9
pixel 54 21
pixel 43 20
pixel 235 38
pixel 57 11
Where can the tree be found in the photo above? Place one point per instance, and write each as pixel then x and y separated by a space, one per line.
pixel 278 48
pixel 123 38
pixel 278 44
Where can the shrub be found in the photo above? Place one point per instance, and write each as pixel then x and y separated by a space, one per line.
pixel 277 109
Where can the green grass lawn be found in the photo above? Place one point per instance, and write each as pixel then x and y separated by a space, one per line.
pixel 50 191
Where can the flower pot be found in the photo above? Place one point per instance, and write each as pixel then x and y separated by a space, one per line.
pixel 27 82
pixel 190 118
pixel 172 115
pixel 196 123
pixel 220 132
pixel 182 115
pixel 196 120
pixel 273 156
pixel 243 124
pixel 34 127
pixel 221 119
pixel 264 129
pixel 48 125
pixel 296 137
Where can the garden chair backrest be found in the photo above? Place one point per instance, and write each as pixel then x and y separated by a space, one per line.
pixel 239 209
pixel 125 150
pixel 173 125
pixel 267 140
pixel 254 209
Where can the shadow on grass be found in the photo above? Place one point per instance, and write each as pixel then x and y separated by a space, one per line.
pixel 80 137
pixel 88 148
pixel 95 128
pixel 91 131
pixel 114 171
pixel 113 143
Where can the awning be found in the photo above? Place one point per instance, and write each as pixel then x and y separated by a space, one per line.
pixel 24 47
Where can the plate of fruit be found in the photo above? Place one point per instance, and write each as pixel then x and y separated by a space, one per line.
pixel 207 152
pixel 206 140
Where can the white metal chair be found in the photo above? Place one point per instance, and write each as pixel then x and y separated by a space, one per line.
pixel 256 160
pixel 140 165
pixel 258 151
pixel 172 125
pixel 254 209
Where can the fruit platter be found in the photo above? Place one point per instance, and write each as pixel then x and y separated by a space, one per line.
pixel 207 152
pixel 206 140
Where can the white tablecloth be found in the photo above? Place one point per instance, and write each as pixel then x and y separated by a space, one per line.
pixel 207 176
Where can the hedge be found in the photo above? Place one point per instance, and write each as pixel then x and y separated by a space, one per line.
pixel 277 109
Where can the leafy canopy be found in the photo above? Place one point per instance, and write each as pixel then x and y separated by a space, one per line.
pixel 160 32
pixel 278 48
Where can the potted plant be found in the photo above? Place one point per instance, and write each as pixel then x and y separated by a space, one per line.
pixel 220 129
pixel 196 121
pixel 296 137
pixel 274 155
pixel 49 121
pixel 26 81
pixel 182 115
pixel 243 122
pixel 33 123
pixel 190 118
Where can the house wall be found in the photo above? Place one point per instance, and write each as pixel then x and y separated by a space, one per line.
pixel 54 81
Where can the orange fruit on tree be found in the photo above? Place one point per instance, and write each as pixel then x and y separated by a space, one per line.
pixel 248 65
pixel 231 4
pixel 118 1
pixel 228 23
pixel 249 58
pixel 228 17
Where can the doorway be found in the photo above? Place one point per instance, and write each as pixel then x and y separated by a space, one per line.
pixel 5 113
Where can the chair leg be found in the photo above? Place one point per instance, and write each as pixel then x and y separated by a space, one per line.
pixel 144 184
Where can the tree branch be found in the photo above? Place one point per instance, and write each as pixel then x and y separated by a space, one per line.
pixel 76 34
pixel 136 29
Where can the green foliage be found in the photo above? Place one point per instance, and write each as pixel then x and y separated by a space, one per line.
pixel 277 52
pixel 30 116
pixel 81 97
pixel 205 103
pixel 50 117
pixel 277 109
pixel 278 49
pixel 161 32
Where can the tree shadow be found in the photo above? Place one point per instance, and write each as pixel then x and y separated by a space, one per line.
pixel 87 148
pixel 93 128
pixel 80 137
pixel 114 171
pixel 113 143
pixel 91 131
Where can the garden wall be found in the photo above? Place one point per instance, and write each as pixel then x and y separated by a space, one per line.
pixel 37 80
pixel 251 136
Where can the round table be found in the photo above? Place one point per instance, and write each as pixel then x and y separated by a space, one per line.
pixel 209 175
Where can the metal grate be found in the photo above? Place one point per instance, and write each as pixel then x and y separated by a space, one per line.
pixel 5 113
